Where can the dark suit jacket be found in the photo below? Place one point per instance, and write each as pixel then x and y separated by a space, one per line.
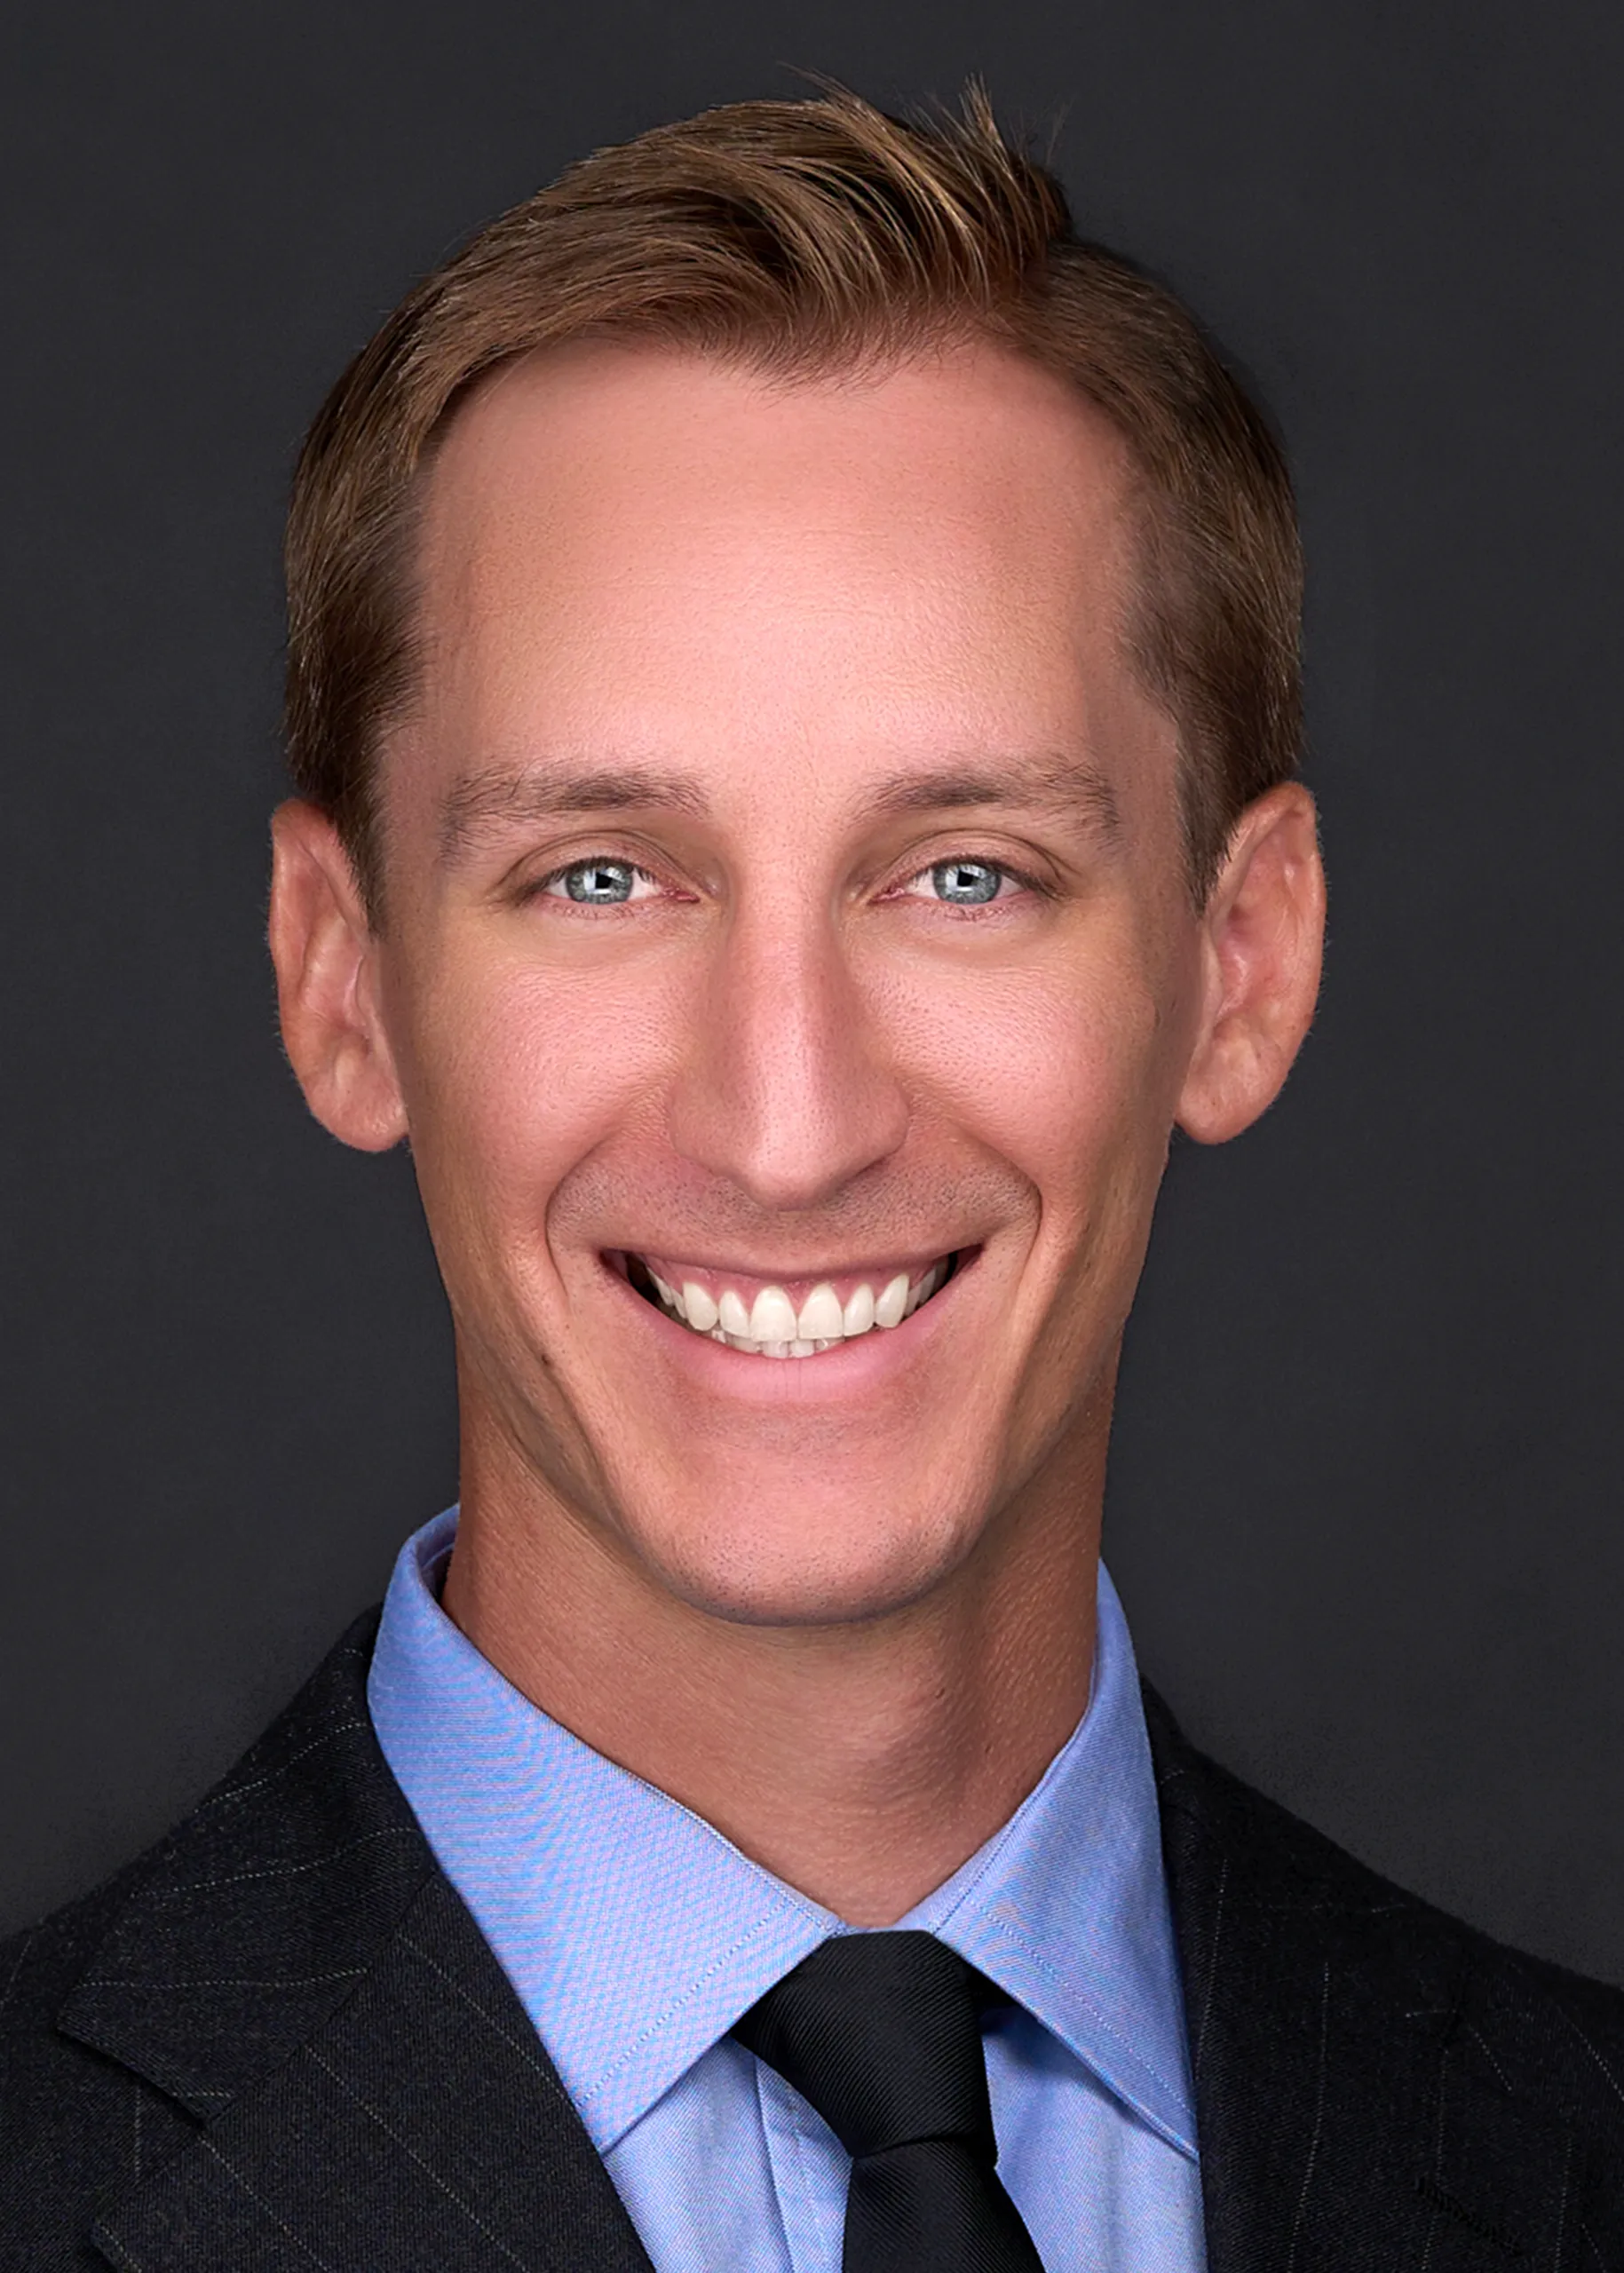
pixel 279 2043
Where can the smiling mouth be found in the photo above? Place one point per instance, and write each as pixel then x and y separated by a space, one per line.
pixel 767 1319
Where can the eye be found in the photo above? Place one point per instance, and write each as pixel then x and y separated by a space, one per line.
pixel 599 883
pixel 961 883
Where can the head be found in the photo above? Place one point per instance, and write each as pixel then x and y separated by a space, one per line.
pixel 793 687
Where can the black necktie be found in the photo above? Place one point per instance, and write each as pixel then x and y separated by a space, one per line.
pixel 881 2033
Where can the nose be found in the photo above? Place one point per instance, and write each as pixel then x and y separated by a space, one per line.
pixel 786 1090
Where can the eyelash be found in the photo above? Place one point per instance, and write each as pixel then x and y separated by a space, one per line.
pixel 1029 884
pixel 538 887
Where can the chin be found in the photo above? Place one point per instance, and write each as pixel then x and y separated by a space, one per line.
pixel 827 1567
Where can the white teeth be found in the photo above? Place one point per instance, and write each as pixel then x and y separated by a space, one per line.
pixel 821 1319
pixel 772 1317
pixel 922 1292
pixel 770 1328
pixel 891 1304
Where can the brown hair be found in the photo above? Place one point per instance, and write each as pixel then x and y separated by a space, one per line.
pixel 802 237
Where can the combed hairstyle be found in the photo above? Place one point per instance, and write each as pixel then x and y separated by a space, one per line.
pixel 806 239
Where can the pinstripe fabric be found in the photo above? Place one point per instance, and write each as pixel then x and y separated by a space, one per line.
pixel 1378 2086
pixel 279 2041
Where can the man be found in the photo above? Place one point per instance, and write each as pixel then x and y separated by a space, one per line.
pixel 793 694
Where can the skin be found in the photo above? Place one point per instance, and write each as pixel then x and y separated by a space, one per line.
pixel 784 649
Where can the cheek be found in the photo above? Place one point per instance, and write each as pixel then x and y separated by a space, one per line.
pixel 516 1075
pixel 1066 1070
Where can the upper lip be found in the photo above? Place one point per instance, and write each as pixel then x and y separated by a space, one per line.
pixel 912 1259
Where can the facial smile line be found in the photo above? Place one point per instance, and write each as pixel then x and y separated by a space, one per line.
pixel 772 1325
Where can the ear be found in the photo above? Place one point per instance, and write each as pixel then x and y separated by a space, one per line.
pixel 1263 931
pixel 327 984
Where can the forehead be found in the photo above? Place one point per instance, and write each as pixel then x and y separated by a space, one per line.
pixel 642 556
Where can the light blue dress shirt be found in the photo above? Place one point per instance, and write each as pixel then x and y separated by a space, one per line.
pixel 636 1935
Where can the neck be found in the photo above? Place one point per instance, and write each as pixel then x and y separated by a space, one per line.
pixel 862 1763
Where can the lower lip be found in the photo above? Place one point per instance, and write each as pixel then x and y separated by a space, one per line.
pixel 854 1370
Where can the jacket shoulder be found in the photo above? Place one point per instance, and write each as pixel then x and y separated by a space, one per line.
pixel 1534 2027
pixel 305 1846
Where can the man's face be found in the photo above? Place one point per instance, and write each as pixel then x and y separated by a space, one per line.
pixel 785 907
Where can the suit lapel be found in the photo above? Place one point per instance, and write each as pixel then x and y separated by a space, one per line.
pixel 420 2126
pixel 1344 2123
pixel 298 1973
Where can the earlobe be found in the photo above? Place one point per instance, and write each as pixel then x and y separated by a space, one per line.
pixel 1261 936
pixel 325 954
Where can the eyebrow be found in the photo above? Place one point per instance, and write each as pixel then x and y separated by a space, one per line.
pixel 1065 786
pixel 487 805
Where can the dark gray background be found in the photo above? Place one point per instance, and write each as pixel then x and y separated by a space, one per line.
pixel 1365 1507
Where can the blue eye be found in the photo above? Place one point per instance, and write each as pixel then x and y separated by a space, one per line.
pixel 597 884
pixel 966 883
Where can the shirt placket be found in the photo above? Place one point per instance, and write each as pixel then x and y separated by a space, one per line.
pixel 810 2171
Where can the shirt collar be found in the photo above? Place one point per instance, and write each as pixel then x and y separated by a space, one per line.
pixel 1066 1910
pixel 635 1935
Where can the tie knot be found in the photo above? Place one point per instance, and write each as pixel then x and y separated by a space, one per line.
pixel 881 2033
